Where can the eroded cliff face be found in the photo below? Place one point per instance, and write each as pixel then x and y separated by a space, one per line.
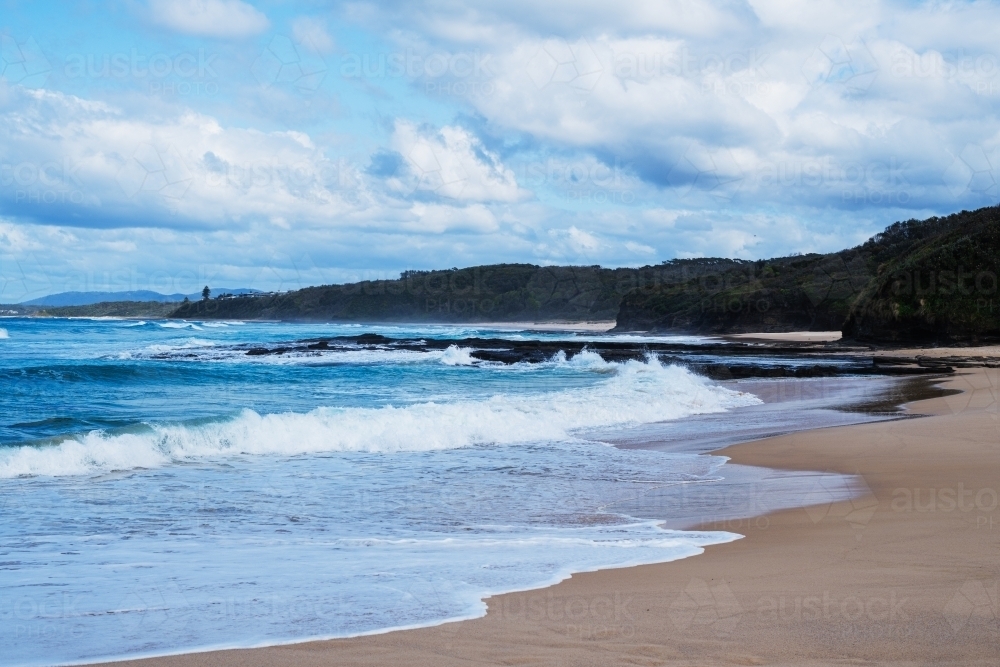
pixel 933 280
pixel 941 288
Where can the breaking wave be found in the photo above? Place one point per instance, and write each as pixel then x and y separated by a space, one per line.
pixel 634 392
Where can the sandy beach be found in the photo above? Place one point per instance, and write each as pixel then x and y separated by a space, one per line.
pixel 907 574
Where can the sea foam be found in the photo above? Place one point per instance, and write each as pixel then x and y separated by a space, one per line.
pixel 457 356
pixel 633 392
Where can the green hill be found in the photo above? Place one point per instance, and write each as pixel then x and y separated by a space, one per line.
pixel 920 281
pixel 801 293
pixel 928 281
pixel 937 282
pixel 500 293
pixel 151 309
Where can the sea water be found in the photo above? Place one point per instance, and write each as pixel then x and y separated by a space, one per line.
pixel 161 491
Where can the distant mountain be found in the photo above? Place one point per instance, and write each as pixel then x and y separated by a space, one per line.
pixel 89 298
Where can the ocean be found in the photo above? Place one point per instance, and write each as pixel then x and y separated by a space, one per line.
pixel 163 491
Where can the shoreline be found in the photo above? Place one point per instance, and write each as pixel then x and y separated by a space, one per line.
pixel 691 603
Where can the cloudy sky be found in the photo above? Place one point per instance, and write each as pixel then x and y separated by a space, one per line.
pixel 165 144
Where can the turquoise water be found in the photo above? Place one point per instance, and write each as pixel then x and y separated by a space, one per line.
pixel 162 491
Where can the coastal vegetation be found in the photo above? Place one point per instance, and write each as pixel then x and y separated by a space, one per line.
pixel 931 280
pixel 149 309
pixel 499 292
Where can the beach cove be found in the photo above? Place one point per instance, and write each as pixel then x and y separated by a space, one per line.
pixel 906 574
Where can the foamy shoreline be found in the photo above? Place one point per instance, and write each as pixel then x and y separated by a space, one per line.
pixel 788 593
pixel 783 491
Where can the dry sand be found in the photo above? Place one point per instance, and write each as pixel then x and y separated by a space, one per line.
pixel 906 575
pixel 789 337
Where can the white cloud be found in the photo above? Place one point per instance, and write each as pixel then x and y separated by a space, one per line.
pixel 452 163
pixel 796 99
pixel 179 171
pixel 493 21
pixel 639 248
pixel 225 19
pixel 436 218
pixel 587 133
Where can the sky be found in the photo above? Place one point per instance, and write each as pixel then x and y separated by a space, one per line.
pixel 169 144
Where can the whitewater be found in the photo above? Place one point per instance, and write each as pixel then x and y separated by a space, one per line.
pixel 162 491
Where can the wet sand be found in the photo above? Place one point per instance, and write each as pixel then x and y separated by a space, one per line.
pixel 583 327
pixel 906 573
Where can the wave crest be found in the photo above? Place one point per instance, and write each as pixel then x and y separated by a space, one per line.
pixel 457 356
pixel 635 392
